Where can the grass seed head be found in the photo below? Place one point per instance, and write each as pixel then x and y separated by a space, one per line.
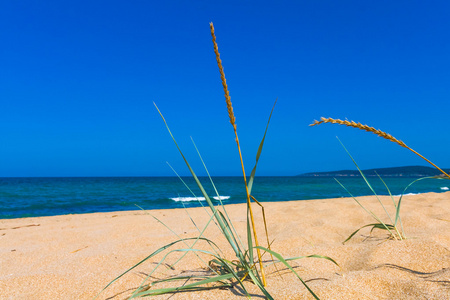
pixel 367 128
pixel 222 77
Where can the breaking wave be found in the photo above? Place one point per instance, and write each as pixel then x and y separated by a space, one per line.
pixel 188 199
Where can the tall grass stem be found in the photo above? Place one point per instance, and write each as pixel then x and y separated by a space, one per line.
pixel 233 123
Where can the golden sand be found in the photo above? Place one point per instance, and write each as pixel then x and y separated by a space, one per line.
pixel 75 256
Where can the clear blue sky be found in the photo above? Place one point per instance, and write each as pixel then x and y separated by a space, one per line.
pixel 78 80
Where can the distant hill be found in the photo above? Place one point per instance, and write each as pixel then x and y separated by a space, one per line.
pixel 409 171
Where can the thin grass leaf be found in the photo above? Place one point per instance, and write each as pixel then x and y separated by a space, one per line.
pixel 170 252
pixel 200 202
pixel 228 234
pixel 258 282
pixel 375 225
pixel 196 285
pixel 144 260
pixel 231 271
pixel 281 259
pixel 312 256
pixel 397 213
pixel 196 239
pixel 395 204
pixel 187 278
pixel 189 189
pixel 366 210
pixel 387 188
pixel 365 179
pixel 217 193
pixel 370 186
pixel 380 226
pixel 211 218
pixel 249 239
pixel 258 153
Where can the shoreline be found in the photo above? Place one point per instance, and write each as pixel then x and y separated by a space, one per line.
pixel 75 256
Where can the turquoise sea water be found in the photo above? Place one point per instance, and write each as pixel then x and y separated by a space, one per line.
pixel 26 197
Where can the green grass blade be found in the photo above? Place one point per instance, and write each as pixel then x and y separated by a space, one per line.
pixel 217 193
pixel 365 179
pixel 200 202
pixel 258 154
pixel 375 225
pixel 387 188
pixel 228 234
pixel 144 260
pixel 281 259
pixel 397 213
pixel 395 205
pixel 249 239
pixel 231 271
pixel 312 256
pixel 196 285
pixel 180 238
pixel 189 189
pixel 176 250
pixel 366 210
pixel 256 280
pixel 381 226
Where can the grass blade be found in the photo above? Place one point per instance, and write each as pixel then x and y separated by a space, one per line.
pixel 371 188
pixel 258 153
pixel 217 193
pixel 196 285
pixel 375 225
pixel 282 260
pixel 397 214
pixel 395 205
pixel 228 234
pixel 366 210
pixel 144 260
pixel 313 256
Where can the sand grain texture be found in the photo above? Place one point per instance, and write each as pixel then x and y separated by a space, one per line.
pixel 75 256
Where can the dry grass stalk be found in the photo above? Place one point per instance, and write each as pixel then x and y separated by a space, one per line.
pixel 233 123
pixel 375 131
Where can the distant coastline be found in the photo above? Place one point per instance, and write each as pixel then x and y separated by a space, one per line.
pixel 408 171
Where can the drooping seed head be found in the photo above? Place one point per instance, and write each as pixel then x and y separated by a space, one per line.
pixel 362 127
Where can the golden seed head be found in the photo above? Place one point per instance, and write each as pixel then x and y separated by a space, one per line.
pixel 353 124
pixel 222 77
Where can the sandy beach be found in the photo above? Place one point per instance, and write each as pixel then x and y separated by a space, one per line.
pixel 76 256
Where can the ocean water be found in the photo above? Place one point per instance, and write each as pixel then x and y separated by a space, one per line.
pixel 27 197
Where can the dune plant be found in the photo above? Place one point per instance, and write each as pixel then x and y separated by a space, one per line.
pixel 394 229
pixel 220 272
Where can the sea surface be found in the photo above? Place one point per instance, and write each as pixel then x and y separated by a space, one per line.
pixel 30 197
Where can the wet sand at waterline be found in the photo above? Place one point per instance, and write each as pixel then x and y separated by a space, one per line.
pixel 76 256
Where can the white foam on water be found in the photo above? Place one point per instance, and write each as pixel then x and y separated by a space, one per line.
pixel 444 188
pixel 188 199
pixel 409 194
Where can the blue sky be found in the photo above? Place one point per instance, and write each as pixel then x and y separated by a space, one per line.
pixel 78 80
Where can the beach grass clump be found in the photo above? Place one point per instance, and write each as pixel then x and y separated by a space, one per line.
pixel 395 227
pixel 220 271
